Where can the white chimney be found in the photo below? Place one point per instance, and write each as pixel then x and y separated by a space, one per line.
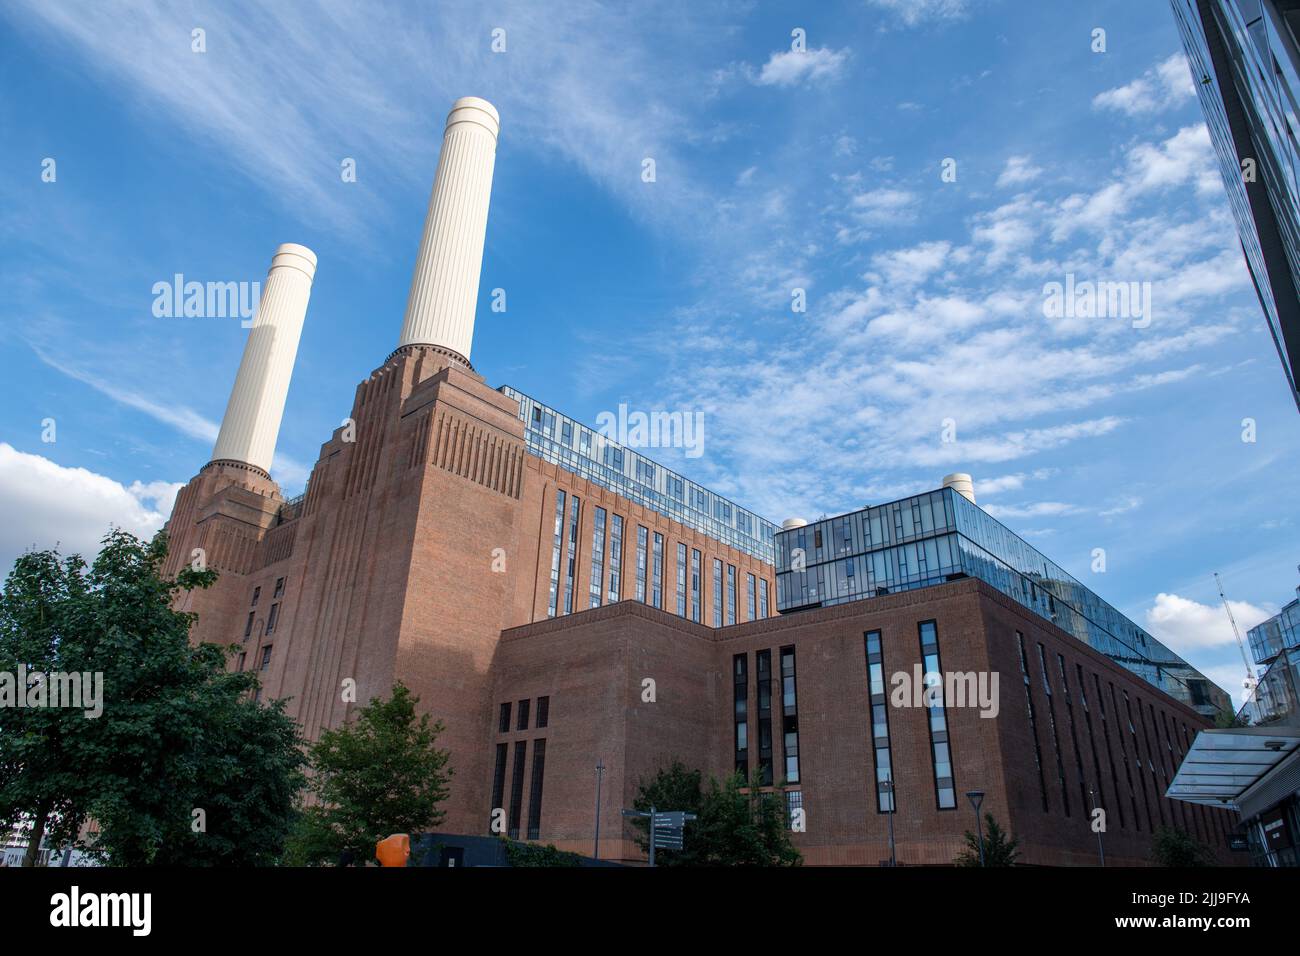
pixel 444 289
pixel 789 524
pixel 252 421
pixel 961 483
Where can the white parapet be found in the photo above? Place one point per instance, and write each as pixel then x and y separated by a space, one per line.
pixel 444 288
pixel 252 422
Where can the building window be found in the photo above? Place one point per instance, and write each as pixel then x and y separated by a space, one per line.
pixel 242 658
pixel 615 558
pixel 248 626
pixel 535 790
pixel 695 586
pixel 503 721
pixel 752 592
pixel 595 587
pixel 571 557
pixel 1074 736
pixel 642 561
pixel 740 687
pixel 257 594
pixel 522 723
pixel 517 789
pixel 789 716
pixel 940 747
pixel 793 802
pixel 266 657
pixel 1051 721
pixel 880 722
pixel 681 579
pixel 717 593
pixel 1033 724
pixel 762 598
pixel 731 594
pixel 543 711
pixel 763 664
pixel 553 602
pixel 657 578
pixel 1128 772
pixel 1105 736
pixel 498 783
pixel 272 618
pixel 279 588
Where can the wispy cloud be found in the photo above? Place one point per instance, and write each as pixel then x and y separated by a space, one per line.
pixel 799 67
pixel 1165 85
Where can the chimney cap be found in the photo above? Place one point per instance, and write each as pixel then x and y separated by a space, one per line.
pixel 961 483
pixel 789 524
pixel 295 256
pixel 475 109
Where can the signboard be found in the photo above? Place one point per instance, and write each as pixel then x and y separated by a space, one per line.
pixel 1238 843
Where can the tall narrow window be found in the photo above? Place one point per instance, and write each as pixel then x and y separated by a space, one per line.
pixel 503 723
pixel 879 723
pixel 740 686
pixel 595 588
pixel 1151 765
pixel 695 586
pixel 681 579
pixel 257 593
pixel 657 573
pixel 752 592
pixel 763 664
pixel 543 711
pixel 535 790
pixel 498 783
pixel 1074 736
pixel 642 561
pixel 272 618
pixel 553 602
pixel 1137 759
pixel 731 594
pixel 789 716
pixel 1123 752
pixel 248 625
pixel 944 787
pixel 523 715
pixel 1105 737
pixel 762 598
pixel 615 559
pixel 571 558
pixel 1051 720
pixel 717 593
pixel 1100 796
pixel 517 789
pixel 1033 724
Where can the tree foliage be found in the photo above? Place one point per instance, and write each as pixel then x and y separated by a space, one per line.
pixel 381 774
pixel 999 848
pixel 177 733
pixel 738 823
pixel 1173 846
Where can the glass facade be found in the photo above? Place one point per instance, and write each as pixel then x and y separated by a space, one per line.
pixel 1279 633
pixel 1245 67
pixel 941 536
pixel 563 441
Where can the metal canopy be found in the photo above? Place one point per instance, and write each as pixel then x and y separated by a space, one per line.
pixel 1223 764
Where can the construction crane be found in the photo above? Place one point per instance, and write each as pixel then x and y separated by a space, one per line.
pixel 1251 680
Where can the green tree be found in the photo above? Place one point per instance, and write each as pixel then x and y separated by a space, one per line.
pixel 177 732
pixel 1226 720
pixel 381 774
pixel 999 848
pixel 1173 846
pixel 737 824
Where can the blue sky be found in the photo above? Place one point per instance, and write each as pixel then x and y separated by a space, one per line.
pixel 775 170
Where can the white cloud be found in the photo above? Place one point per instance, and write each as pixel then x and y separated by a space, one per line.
pixel 46 504
pixel 1039 509
pixel 1165 85
pixel 994 486
pixel 1018 171
pixel 913 265
pixel 794 67
pixel 1186 625
pixel 913 12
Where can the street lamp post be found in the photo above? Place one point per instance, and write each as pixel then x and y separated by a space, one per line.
pixel 976 797
pixel 888 787
pixel 600 772
pixel 1101 850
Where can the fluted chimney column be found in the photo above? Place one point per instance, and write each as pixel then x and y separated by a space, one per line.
pixel 252 421
pixel 444 289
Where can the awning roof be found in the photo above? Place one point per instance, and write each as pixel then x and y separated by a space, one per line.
pixel 1223 764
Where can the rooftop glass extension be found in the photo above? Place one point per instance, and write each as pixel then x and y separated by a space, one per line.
pixel 941 536
pixel 565 442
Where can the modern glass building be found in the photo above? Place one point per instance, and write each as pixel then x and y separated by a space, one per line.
pixel 584 451
pixel 1279 633
pixel 941 536
pixel 1245 65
